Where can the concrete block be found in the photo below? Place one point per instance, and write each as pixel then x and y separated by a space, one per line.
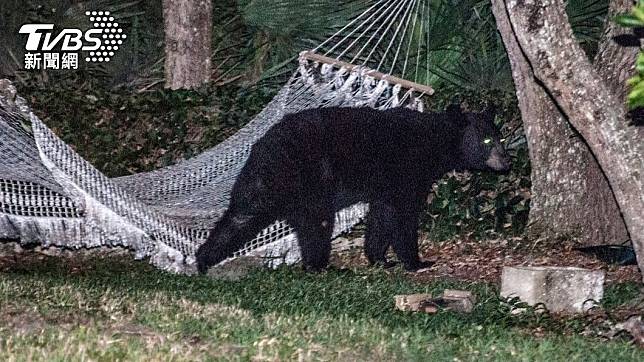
pixel 411 302
pixel 560 289
pixel 461 301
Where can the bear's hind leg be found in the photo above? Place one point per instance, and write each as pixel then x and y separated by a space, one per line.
pixel 313 226
pixel 381 229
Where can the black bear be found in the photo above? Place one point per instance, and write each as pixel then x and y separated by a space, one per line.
pixel 305 165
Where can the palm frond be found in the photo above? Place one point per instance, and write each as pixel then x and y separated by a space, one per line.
pixel 587 20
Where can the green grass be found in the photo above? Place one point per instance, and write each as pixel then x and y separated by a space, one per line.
pixel 109 309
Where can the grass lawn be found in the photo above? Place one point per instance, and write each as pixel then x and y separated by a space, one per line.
pixel 111 308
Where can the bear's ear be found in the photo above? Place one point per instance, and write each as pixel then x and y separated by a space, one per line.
pixel 455 115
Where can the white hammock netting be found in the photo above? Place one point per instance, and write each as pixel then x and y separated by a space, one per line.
pixel 50 195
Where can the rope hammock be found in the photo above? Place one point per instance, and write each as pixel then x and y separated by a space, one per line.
pixel 50 195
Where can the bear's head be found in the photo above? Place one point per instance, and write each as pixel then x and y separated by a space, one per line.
pixel 481 147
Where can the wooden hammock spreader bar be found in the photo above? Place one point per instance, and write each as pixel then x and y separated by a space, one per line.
pixel 372 73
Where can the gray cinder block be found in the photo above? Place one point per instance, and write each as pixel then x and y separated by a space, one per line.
pixel 461 301
pixel 411 302
pixel 560 289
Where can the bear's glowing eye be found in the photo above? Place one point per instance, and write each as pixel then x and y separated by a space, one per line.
pixel 502 140
pixel 487 140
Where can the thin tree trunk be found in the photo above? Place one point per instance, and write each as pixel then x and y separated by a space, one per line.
pixel 615 63
pixel 571 197
pixel 188 33
pixel 541 35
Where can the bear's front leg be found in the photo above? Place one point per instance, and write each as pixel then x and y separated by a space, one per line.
pixel 405 245
pixel 313 226
pixel 229 235
pixel 396 224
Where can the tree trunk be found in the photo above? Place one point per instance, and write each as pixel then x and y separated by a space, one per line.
pixel 539 39
pixel 188 32
pixel 615 63
pixel 571 197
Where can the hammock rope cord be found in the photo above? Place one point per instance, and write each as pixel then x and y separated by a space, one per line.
pixel 52 196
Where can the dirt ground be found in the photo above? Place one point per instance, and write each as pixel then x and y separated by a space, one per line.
pixel 458 259
pixel 473 260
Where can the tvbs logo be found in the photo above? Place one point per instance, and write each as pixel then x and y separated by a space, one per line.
pixel 100 43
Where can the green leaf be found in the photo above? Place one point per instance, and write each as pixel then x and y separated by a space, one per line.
pixel 637 92
pixel 634 80
pixel 637 86
pixel 638 12
pixel 635 102
pixel 628 20
pixel 639 64
pixel 636 96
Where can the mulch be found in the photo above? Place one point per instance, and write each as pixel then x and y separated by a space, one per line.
pixel 458 259
pixel 482 261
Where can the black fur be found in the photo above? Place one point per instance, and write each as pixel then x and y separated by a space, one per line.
pixel 317 161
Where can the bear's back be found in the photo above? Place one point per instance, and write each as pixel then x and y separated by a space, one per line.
pixel 356 122
pixel 360 137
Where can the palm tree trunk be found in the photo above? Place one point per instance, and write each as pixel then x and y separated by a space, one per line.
pixel 188 32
